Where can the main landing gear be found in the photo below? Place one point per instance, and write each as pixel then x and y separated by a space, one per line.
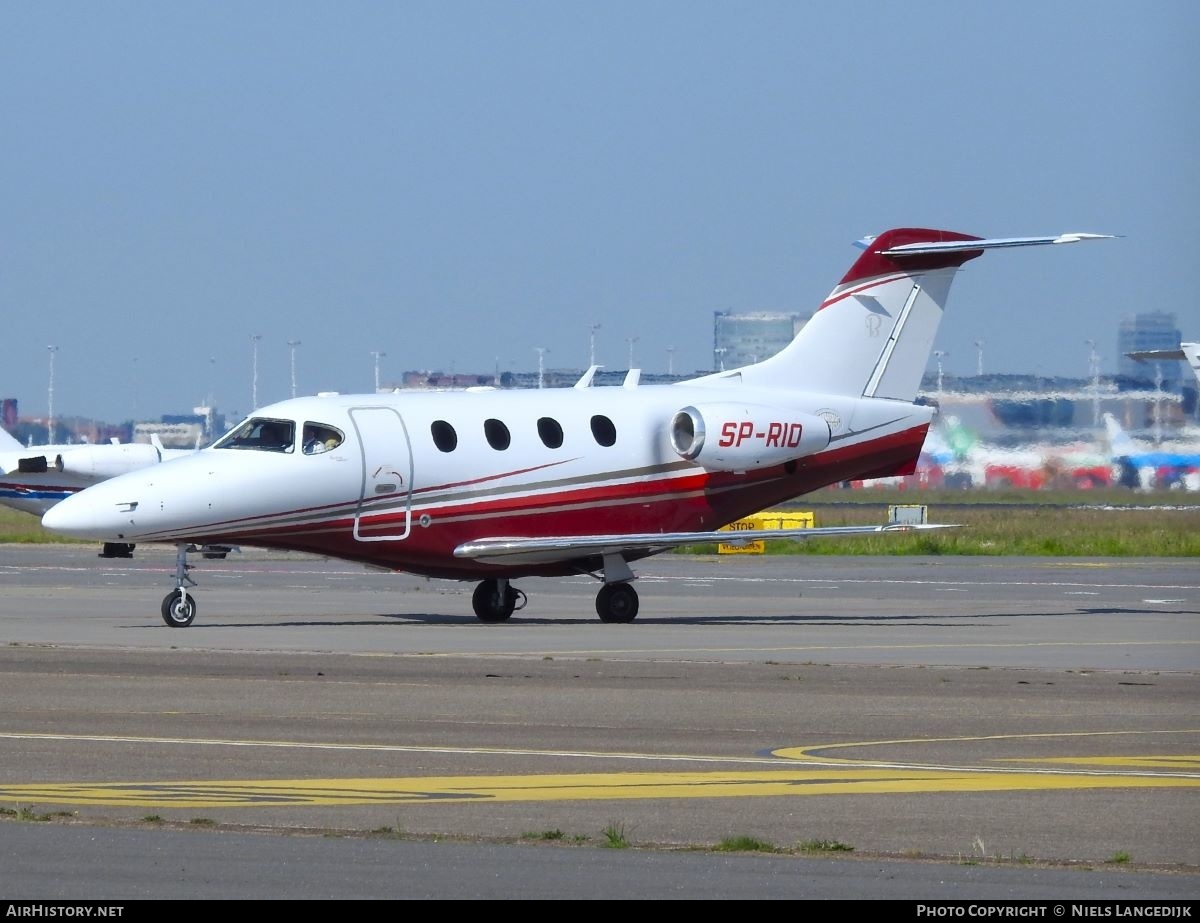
pixel 617 603
pixel 495 599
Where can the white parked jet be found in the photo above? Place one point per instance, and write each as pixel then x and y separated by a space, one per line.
pixel 494 485
pixel 35 478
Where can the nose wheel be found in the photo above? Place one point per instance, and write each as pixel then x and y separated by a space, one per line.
pixel 178 606
pixel 178 609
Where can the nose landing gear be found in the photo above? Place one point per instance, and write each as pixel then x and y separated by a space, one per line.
pixel 178 608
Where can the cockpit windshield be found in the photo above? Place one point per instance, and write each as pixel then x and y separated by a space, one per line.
pixel 261 433
pixel 268 434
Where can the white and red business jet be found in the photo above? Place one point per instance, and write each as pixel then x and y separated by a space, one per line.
pixel 494 485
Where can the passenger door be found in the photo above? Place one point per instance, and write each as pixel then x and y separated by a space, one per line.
pixel 384 512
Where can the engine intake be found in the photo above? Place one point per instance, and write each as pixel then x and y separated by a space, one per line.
pixel 737 437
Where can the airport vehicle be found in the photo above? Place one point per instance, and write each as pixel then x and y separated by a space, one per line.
pixel 493 485
pixel 34 478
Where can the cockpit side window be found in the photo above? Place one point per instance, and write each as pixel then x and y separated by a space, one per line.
pixel 318 438
pixel 262 434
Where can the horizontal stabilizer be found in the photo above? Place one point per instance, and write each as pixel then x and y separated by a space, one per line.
pixel 959 246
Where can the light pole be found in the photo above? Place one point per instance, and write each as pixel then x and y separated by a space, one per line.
pixel 292 344
pixel 541 351
pixel 50 408
pixel 254 338
pixel 592 344
pixel 377 356
pixel 941 354
pixel 979 358
pixel 631 341
pixel 212 398
pixel 1094 371
pixel 1158 383
pixel 721 351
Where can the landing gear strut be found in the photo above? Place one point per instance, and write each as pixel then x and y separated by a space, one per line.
pixel 178 608
pixel 494 600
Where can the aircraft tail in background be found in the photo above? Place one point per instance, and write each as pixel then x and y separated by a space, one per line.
pixel 1120 445
pixel 1146 466
pixel 9 442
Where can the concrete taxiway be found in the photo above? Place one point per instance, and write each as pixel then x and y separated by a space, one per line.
pixel 983 710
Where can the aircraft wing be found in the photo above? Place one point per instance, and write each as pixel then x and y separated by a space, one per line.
pixel 548 549
pixel 1148 354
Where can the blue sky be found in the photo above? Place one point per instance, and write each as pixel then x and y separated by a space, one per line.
pixel 457 184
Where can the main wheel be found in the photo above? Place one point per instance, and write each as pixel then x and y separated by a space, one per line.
pixel 490 604
pixel 178 611
pixel 617 602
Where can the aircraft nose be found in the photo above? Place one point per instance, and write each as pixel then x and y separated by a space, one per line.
pixel 61 518
pixel 81 516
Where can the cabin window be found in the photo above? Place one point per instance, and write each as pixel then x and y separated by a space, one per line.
pixel 603 430
pixel 320 438
pixel 497 434
pixel 262 434
pixel 444 436
pixel 550 432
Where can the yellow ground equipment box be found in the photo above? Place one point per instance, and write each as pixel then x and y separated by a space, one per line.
pixel 758 522
pixel 910 513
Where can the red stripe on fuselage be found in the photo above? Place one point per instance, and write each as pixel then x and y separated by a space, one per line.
pixel 701 501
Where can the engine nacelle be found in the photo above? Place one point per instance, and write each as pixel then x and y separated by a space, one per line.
pixel 728 436
pixel 107 461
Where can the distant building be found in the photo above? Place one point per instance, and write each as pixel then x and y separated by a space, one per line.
pixel 450 381
pixel 743 339
pixel 187 433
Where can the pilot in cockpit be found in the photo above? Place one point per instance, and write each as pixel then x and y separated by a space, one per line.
pixel 274 436
pixel 319 439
